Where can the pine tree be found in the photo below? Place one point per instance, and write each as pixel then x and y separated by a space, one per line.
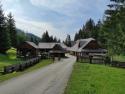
pixel 68 41
pixel 113 26
pixel 89 27
pixel 51 39
pixel 4 35
pixel 96 30
pixel 36 41
pixel 76 37
pixel 47 38
pixel 88 30
pixel 21 38
pixel 32 39
pixel 12 30
pixel 55 39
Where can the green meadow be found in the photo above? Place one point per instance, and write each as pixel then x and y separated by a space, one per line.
pixel 96 79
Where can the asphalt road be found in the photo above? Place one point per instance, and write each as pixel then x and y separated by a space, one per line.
pixel 48 80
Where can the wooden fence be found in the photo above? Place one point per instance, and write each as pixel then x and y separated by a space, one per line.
pixel 91 59
pixel 22 66
pixel 118 64
pixel 100 60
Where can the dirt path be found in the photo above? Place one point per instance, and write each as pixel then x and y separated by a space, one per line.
pixel 49 80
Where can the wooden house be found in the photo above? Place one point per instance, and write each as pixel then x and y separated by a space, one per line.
pixel 88 48
pixel 52 49
pixel 27 49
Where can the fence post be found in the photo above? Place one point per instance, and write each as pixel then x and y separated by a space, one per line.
pixel 90 58
pixel 77 58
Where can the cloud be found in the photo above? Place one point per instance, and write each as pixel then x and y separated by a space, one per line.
pixel 66 7
pixel 9 3
pixel 12 6
pixel 59 17
pixel 38 28
pixel 52 4
pixel 73 8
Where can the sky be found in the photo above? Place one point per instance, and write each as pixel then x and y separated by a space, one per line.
pixel 58 17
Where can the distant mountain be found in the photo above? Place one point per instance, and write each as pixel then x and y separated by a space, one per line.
pixel 22 36
pixel 30 36
pixel 20 32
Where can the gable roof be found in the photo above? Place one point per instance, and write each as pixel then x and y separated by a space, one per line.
pixel 50 45
pixel 80 44
pixel 63 45
pixel 32 44
pixel 84 42
pixel 46 45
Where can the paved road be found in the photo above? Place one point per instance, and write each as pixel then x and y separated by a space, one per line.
pixel 48 80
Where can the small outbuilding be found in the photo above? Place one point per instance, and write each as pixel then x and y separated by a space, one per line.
pixel 27 50
pixel 52 49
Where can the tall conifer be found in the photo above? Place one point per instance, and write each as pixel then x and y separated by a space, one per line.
pixel 4 34
pixel 12 30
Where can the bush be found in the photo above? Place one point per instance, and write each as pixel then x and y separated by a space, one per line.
pixel 11 53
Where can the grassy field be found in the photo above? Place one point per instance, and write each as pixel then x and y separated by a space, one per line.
pixel 119 58
pixel 12 75
pixel 96 79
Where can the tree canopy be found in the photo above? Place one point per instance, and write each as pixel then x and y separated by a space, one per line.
pixel 47 38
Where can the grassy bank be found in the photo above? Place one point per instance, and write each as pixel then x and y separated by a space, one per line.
pixel 12 75
pixel 96 79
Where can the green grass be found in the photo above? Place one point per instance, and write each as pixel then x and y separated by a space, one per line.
pixel 15 74
pixel 5 61
pixel 10 59
pixel 119 58
pixel 96 79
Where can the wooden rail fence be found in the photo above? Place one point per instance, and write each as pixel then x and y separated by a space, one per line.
pixel 22 66
pixel 99 60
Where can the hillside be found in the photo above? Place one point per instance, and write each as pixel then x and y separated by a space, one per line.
pixel 22 36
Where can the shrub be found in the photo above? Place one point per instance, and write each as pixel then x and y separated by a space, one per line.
pixel 11 53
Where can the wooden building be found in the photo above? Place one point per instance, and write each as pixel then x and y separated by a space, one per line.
pixel 86 48
pixel 52 49
pixel 27 50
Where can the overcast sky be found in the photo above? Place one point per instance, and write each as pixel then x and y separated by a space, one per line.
pixel 59 17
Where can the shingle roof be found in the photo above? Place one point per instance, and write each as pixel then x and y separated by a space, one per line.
pixel 46 45
pixel 80 44
pixel 32 44
pixel 50 45
pixel 63 45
